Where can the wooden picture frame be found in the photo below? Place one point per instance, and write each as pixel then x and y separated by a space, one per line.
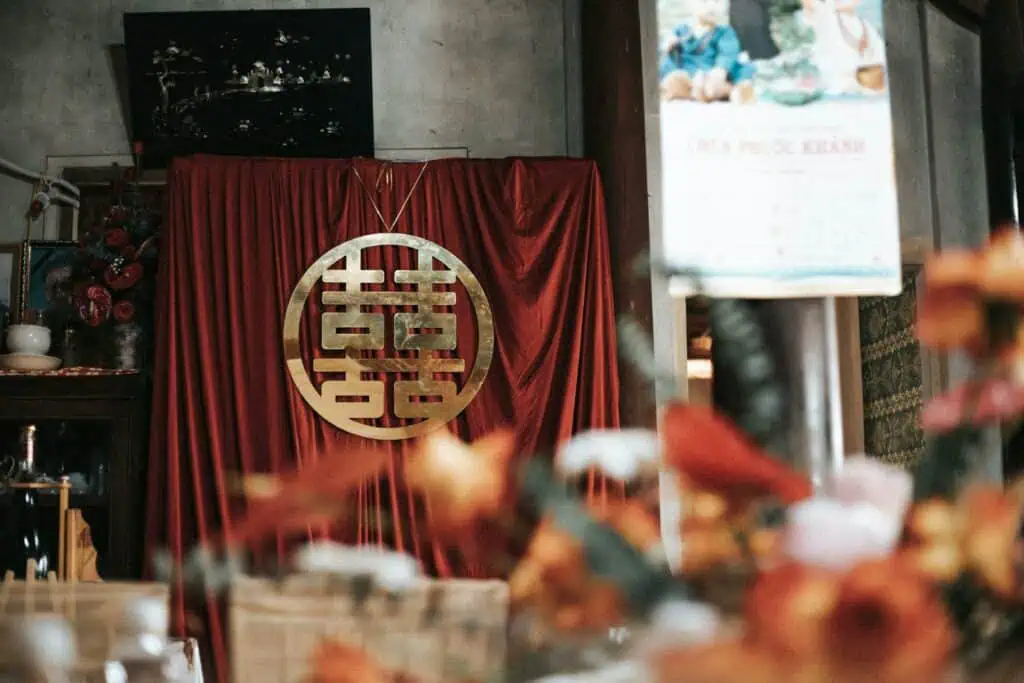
pixel 61 222
pixel 38 258
pixel 10 279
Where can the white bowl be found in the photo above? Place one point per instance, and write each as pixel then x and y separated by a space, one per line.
pixel 31 340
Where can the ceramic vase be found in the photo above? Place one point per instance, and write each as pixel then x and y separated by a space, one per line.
pixel 127 343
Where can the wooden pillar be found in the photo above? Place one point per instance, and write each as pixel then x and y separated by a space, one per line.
pixel 614 136
pixel 997 120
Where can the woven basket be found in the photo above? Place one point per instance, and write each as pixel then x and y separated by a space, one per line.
pixel 451 630
pixel 94 611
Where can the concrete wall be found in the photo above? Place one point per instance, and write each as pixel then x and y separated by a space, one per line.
pixel 487 75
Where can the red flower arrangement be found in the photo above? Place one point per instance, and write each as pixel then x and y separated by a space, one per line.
pixel 111 280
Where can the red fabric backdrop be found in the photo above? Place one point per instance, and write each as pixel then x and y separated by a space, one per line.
pixel 238 236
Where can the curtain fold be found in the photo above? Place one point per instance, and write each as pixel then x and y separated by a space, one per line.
pixel 241 232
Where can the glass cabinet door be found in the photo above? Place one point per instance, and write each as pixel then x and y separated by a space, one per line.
pixel 82 450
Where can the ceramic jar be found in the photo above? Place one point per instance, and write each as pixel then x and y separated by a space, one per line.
pixel 31 340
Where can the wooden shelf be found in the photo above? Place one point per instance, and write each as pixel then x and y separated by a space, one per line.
pixel 78 500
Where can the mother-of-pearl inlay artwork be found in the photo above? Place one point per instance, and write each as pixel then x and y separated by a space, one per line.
pixel 290 83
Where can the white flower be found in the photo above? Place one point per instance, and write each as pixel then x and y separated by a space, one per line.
pixel 620 454
pixel 619 672
pixel 860 520
pixel 836 535
pixel 869 480
pixel 391 570
pixel 42 640
pixel 686 622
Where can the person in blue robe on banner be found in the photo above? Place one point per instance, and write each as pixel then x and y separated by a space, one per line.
pixel 704 60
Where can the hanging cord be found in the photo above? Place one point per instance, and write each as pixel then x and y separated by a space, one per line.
pixel 390 227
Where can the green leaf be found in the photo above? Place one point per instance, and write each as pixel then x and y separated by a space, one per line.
pixel 745 363
pixel 607 554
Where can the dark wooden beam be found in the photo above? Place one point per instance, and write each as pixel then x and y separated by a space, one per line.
pixel 614 136
pixel 997 121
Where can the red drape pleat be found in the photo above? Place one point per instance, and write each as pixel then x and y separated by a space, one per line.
pixel 238 236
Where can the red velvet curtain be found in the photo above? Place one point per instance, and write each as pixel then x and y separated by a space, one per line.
pixel 238 236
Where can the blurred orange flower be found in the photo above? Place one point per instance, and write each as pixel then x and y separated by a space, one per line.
pixel 727 661
pixel 788 607
pixel 932 541
pixel 992 546
pixel 958 284
pixel 766 546
pixel 317 493
pixel 633 520
pixel 712 534
pixel 463 483
pixel 881 622
pixel 713 455
pixel 709 549
pixel 888 626
pixel 337 662
pixel 553 578
pixel 553 557
pixel 951 312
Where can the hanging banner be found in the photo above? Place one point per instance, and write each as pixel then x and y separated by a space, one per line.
pixel 778 175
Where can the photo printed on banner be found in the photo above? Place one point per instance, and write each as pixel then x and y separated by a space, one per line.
pixel 776 129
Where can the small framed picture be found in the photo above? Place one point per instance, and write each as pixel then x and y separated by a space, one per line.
pixel 45 266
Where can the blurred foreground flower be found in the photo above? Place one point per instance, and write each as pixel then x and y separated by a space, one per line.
pixel 553 576
pixel 879 622
pixel 786 609
pixel 315 494
pixel 724 475
pixel 463 483
pixel 960 288
pixel 869 480
pixel 861 520
pixel 623 454
pixel 979 534
pixel 337 662
pixel 391 570
pixel 710 536
pixel 712 455
pixel 685 622
pixel 888 626
pixel 836 535
pixel 994 400
pixel 617 672
pixel 992 543
pixel 726 661
pixel 932 540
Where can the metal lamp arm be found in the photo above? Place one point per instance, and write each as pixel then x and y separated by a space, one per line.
pixel 57 189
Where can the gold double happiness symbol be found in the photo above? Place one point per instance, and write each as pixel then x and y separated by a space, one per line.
pixel 349 335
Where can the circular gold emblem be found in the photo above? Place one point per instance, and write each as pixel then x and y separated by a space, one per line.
pixel 353 339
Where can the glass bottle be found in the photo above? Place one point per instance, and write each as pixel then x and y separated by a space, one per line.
pixel 69 347
pixel 24 540
pixel 27 463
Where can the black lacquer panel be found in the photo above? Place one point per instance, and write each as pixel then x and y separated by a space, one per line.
pixel 285 83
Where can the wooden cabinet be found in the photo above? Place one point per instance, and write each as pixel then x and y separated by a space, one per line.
pixel 93 428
